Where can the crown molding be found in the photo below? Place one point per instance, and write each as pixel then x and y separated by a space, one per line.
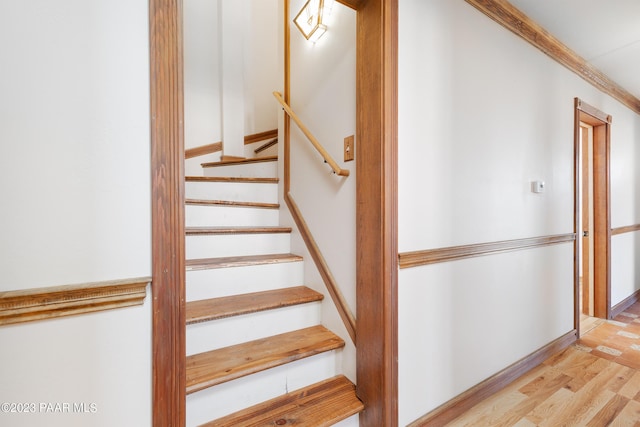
pixel 520 24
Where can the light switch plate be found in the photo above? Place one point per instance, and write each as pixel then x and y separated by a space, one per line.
pixel 349 148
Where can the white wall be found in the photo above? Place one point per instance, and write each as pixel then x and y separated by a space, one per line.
pixel 261 66
pixel 323 95
pixel 625 205
pixel 481 115
pixel 99 360
pixel 76 201
pixel 202 113
pixel 253 75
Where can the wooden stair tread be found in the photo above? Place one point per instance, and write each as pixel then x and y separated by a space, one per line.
pixel 240 261
pixel 225 159
pixel 218 366
pixel 240 162
pixel 235 179
pixel 230 203
pixel 321 404
pixel 199 231
pixel 219 308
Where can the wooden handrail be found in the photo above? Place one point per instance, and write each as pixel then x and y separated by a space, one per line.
pixel 325 155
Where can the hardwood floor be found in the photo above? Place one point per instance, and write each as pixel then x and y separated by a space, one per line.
pixel 593 383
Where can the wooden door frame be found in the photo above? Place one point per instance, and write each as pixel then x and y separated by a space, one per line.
pixel 376 211
pixel 376 205
pixel 601 123
pixel 586 192
pixel 167 214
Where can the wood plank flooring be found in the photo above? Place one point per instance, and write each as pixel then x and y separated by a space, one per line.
pixel 593 383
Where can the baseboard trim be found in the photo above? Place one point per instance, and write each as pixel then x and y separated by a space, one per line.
pixel 465 401
pixel 625 303
pixel 57 301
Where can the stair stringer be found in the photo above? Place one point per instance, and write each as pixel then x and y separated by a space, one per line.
pixel 330 318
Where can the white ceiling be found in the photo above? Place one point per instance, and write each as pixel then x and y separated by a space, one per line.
pixel 604 32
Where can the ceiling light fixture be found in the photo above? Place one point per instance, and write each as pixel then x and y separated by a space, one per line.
pixel 309 20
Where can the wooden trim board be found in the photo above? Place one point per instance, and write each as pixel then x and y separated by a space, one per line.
pixel 261 136
pixel 238 179
pixel 353 4
pixel 286 125
pixel 434 256
pixel 58 301
pixel 625 229
pixel 202 150
pixel 377 211
pixel 167 213
pixel 344 311
pixel 467 400
pixel 599 117
pixel 239 161
pixel 217 146
pixel 601 232
pixel 625 303
pixel 266 146
pixel 376 201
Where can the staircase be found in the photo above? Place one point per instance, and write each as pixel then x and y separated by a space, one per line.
pixel 257 354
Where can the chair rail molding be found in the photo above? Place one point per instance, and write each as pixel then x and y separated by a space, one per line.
pixel 626 229
pixel 28 305
pixel 452 253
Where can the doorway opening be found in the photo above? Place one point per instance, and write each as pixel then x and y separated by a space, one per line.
pixel 377 123
pixel 592 216
pixel 585 230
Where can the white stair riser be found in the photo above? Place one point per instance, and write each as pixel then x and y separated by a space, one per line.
pixel 253 170
pixel 220 282
pixel 210 216
pixel 227 398
pixel 233 191
pixel 352 421
pixel 221 333
pixel 193 166
pixel 211 246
